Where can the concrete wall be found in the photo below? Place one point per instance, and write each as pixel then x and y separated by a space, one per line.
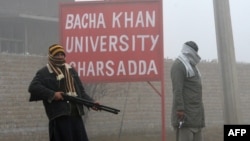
pixel 140 116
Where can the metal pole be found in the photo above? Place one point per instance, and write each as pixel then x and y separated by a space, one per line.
pixel 226 56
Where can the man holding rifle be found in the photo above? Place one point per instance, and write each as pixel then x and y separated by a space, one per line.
pixel 50 83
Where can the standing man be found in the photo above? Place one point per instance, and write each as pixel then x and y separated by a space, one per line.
pixel 48 85
pixel 187 111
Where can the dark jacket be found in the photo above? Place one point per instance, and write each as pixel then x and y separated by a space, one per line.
pixel 44 85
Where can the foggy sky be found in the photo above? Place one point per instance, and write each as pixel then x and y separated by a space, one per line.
pixel 186 20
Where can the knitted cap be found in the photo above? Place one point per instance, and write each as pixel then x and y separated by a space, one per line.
pixel 55 48
pixel 193 45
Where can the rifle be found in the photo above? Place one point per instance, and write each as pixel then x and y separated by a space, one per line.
pixel 87 103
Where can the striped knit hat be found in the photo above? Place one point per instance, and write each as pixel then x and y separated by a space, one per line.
pixel 54 49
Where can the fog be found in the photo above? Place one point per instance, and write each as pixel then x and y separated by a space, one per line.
pixel 194 20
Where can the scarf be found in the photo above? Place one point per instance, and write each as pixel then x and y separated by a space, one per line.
pixel 189 57
pixel 54 65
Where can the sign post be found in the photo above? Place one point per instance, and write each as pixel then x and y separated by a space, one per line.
pixel 114 41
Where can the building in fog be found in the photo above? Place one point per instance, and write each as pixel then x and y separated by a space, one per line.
pixel 29 26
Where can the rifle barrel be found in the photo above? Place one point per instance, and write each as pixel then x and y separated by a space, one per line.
pixel 90 104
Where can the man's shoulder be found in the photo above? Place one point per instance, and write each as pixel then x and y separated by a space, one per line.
pixel 71 68
pixel 177 64
pixel 43 69
pixel 178 69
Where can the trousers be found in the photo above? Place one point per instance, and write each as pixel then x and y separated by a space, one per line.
pixel 189 134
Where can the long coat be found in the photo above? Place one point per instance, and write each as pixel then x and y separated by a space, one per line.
pixel 187 96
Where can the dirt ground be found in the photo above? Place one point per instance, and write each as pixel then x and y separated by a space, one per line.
pixel 212 134
pixel 127 138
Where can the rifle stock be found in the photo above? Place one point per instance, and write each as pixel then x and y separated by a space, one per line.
pixel 87 103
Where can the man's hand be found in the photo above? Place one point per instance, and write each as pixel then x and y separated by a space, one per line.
pixel 95 106
pixel 58 96
pixel 180 115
